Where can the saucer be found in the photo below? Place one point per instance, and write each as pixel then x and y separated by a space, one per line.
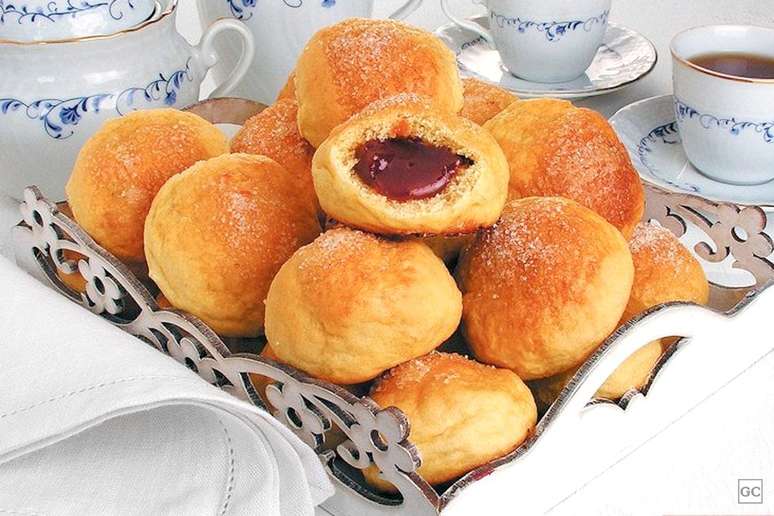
pixel 624 57
pixel 649 132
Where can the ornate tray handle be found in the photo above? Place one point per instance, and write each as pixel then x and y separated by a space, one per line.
pixel 49 244
pixel 308 406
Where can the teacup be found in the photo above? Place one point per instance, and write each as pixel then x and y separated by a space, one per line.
pixel 57 94
pixel 281 29
pixel 47 20
pixel 545 41
pixel 726 122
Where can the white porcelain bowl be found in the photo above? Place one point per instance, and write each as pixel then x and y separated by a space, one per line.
pixel 47 20
pixel 726 123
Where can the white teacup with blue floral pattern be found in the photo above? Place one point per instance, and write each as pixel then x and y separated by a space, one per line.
pixel 726 122
pixel 545 41
pixel 47 20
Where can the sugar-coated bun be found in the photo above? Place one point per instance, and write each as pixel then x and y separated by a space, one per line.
pixel 469 197
pixel 482 101
pixel 544 287
pixel 462 413
pixel 349 65
pixel 351 305
pixel 634 373
pixel 122 166
pixel 217 234
pixel 288 91
pixel 556 149
pixel 664 271
pixel 274 133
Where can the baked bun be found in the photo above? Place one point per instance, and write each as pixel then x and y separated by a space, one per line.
pixel 402 166
pixel 274 133
pixel 462 414
pixel 351 305
pixel 634 373
pixel 349 65
pixel 122 166
pixel 556 149
pixel 217 234
pixel 544 287
pixel 482 101
pixel 288 91
pixel 664 271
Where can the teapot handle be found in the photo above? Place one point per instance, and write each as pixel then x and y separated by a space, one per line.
pixel 406 9
pixel 205 51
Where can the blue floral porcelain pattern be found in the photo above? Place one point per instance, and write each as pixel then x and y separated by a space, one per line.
pixel 553 30
pixel 243 9
pixel 685 112
pixel 61 116
pixel 666 134
pixel 15 11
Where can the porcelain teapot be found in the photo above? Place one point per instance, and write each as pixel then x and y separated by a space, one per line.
pixel 281 29
pixel 61 92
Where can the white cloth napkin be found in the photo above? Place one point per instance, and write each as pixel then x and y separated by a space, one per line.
pixel 93 421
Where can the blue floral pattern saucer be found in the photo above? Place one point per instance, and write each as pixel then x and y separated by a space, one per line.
pixel 624 57
pixel 649 132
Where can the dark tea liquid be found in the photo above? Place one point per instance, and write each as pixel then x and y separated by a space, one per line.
pixel 752 66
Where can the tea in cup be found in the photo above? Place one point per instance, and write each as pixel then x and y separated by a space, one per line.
pixel 724 101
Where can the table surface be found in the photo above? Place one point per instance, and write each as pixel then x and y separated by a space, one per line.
pixel 659 20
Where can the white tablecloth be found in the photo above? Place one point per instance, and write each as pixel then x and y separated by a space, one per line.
pixel 95 422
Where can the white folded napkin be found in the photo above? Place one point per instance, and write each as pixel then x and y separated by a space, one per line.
pixel 93 421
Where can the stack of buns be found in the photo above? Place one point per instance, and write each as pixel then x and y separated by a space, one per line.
pixel 415 170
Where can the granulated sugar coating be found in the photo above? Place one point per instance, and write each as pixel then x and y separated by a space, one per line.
pixel 348 65
pixel 533 245
pixel 274 133
pixel 435 367
pixel 371 60
pixel 544 287
pixel 664 271
pixel 657 240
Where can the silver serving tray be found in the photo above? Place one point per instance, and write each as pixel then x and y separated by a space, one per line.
pixel 372 435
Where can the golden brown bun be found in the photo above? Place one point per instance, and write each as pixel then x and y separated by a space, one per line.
pixel 462 414
pixel 634 373
pixel 351 305
pixel 274 133
pixel 482 101
pixel 217 233
pixel 349 65
pixel 288 91
pixel 474 197
pixel 664 271
pixel 544 287
pixel 556 149
pixel 122 166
